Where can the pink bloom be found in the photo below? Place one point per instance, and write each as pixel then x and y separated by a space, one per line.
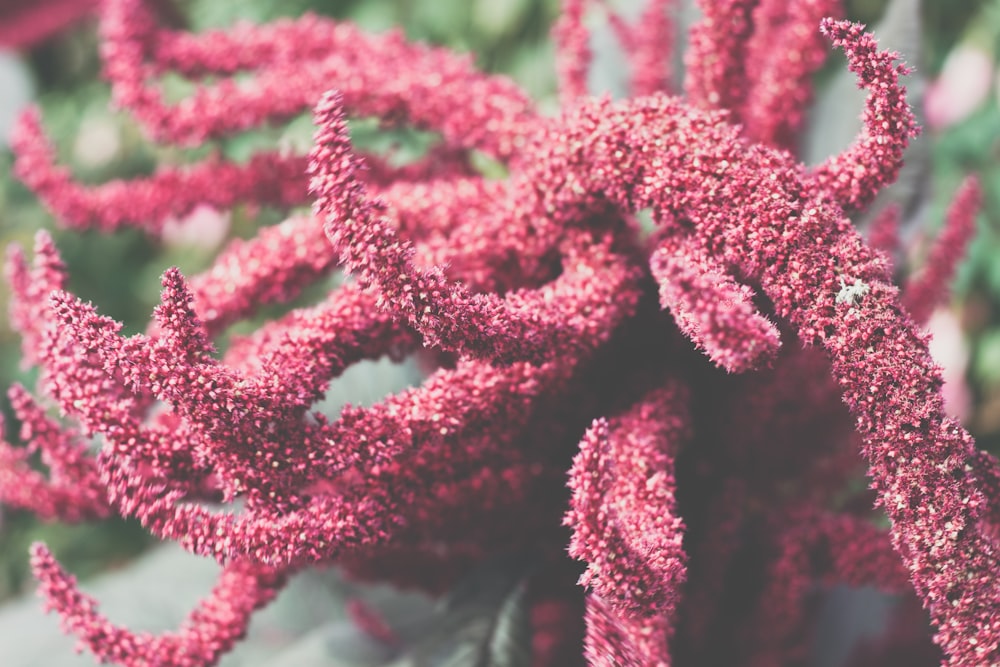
pixel 204 228
pixel 961 88
pixel 537 307
pixel 927 288
pixel 210 631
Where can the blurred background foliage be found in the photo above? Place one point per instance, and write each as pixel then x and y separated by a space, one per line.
pixel 120 272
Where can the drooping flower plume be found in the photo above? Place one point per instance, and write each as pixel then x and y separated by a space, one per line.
pixel 654 417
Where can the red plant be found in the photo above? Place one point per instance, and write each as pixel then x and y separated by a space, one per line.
pixel 703 502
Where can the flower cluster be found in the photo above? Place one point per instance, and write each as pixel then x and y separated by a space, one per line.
pixel 688 385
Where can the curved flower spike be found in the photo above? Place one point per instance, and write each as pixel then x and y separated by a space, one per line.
pixel 30 289
pixel 74 374
pixel 271 179
pixel 253 425
pixel 280 261
pixel 208 632
pixel 380 75
pixel 320 529
pixel 625 526
pixel 273 267
pixel 935 502
pixel 623 512
pixel 853 177
pixel 526 325
pixel 711 308
pixel 242 46
pixel 73 490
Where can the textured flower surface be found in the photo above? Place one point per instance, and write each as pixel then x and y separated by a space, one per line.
pixel 693 387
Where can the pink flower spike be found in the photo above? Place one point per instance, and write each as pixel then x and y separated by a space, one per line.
pixel 623 511
pixel 30 290
pixel 934 501
pixel 379 75
pixel 273 267
pixel 780 87
pixel 268 178
pixel 573 55
pixel 242 46
pixel 883 230
pixel 652 48
pixel 714 62
pixel 853 177
pixel 305 349
pixel 925 290
pixel 614 641
pixel 522 326
pixel 73 491
pixel 711 308
pixel 326 527
pixel 209 631
pixel 371 622
pixel 250 426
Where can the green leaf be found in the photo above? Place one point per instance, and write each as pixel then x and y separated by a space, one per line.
pixel 511 646
pixel 483 622
pixel 986 362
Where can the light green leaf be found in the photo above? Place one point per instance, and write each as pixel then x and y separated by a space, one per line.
pixel 483 622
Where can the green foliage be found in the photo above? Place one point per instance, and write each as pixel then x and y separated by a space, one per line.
pixel 482 622
pixel 91 548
